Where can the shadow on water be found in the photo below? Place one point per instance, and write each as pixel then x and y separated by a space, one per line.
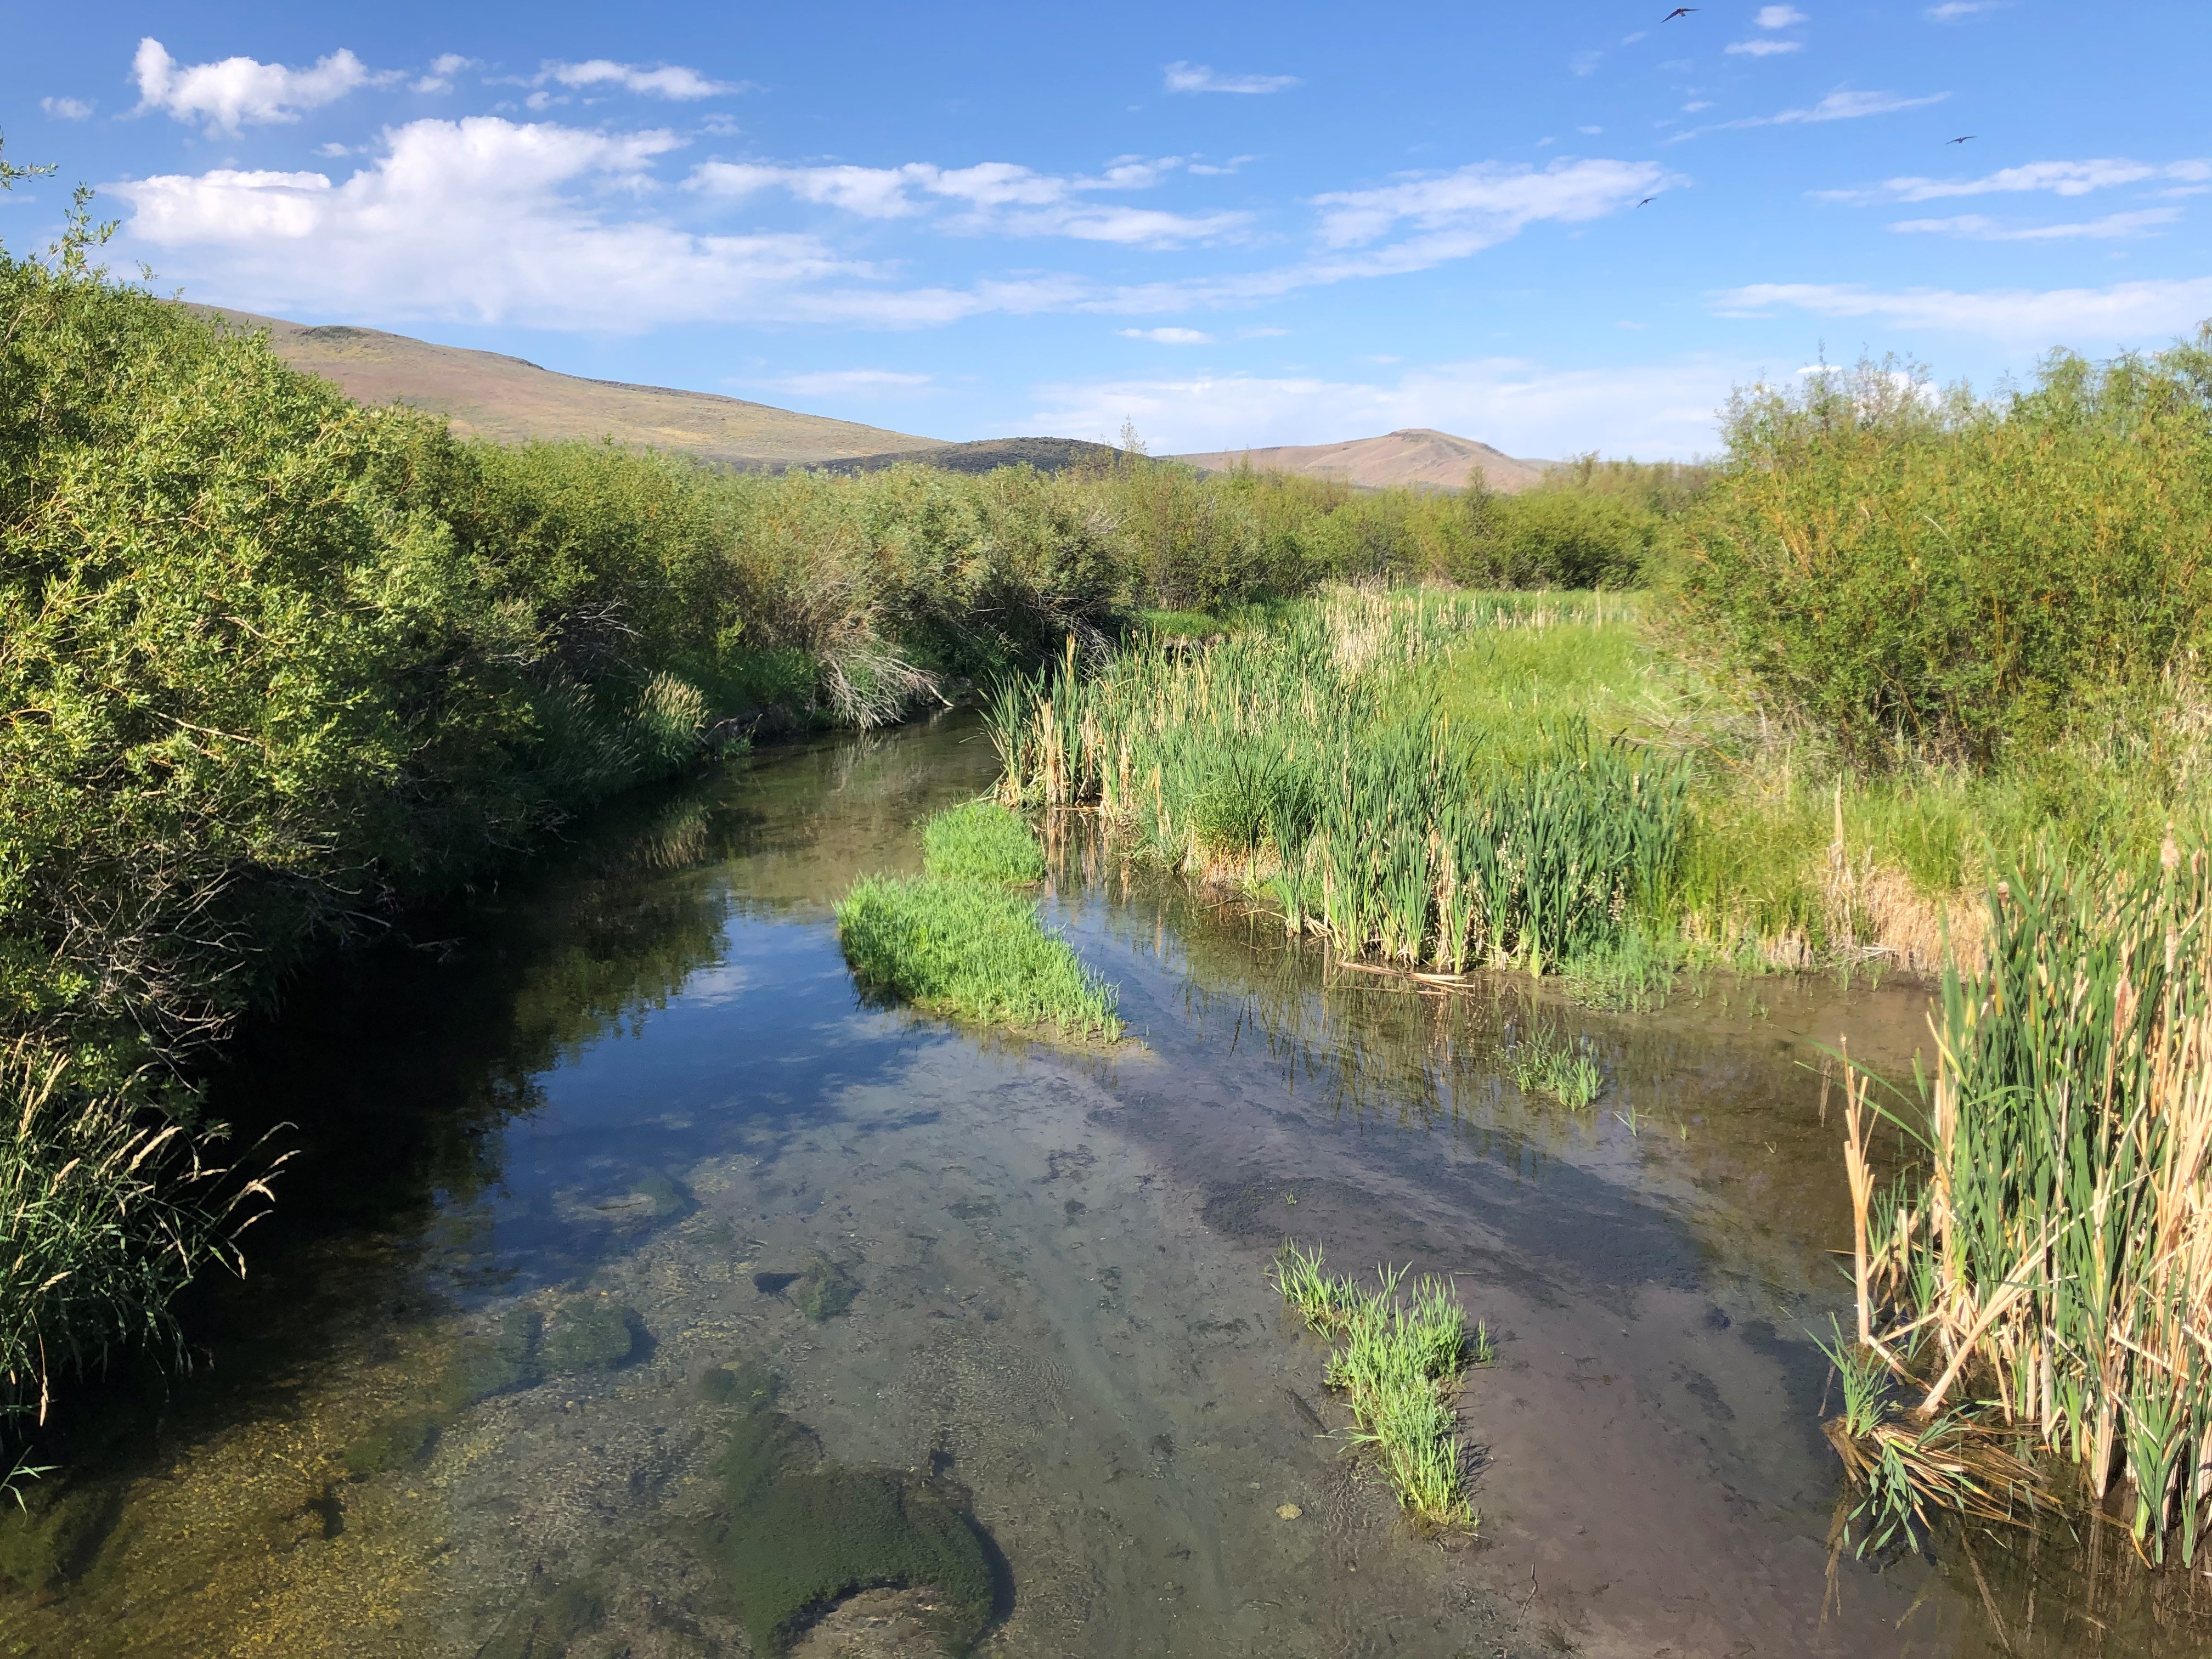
pixel 641 1291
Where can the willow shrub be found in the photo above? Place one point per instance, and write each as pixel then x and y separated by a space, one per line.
pixel 1927 573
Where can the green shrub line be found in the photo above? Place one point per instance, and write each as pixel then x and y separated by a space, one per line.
pixel 1397 1360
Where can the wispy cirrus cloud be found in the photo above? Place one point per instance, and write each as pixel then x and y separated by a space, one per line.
pixel 2021 317
pixel 672 81
pixel 1845 104
pixel 240 92
pixel 1484 203
pixel 874 383
pixel 66 109
pixel 2060 178
pixel 1980 227
pixel 1757 48
pixel 1524 408
pixel 997 197
pixel 1202 77
pixel 1168 336
pixel 1964 11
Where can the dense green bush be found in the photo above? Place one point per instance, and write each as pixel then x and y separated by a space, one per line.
pixel 1926 573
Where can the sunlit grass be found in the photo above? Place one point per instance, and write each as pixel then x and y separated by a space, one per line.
pixel 1395 1355
pixel 982 840
pixel 973 952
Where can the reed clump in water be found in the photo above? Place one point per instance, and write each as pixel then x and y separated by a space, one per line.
pixel 1547 1062
pixel 1310 760
pixel 2053 1254
pixel 1397 1359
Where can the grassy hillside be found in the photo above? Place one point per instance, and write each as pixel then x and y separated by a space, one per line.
pixel 484 394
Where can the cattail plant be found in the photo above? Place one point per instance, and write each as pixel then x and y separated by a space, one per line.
pixel 2052 1254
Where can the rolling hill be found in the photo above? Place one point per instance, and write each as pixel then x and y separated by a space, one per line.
pixel 1416 455
pixel 487 395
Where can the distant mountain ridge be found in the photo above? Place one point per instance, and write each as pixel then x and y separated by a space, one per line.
pixel 1417 457
pixel 487 395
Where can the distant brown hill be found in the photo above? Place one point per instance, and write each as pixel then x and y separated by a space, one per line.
pixel 487 395
pixel 987 455
pixel 1417 456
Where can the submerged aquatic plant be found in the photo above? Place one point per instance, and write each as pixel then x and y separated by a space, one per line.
pixel 1546 1062
pixel 962 948
pixel 1395 1355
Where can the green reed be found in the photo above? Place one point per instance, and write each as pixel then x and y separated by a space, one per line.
pixel 1547 1062
pixel 1395 1355
pixel 2052 1254
pixel 1309 760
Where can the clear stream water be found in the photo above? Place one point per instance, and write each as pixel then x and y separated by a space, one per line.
pixel 634 1093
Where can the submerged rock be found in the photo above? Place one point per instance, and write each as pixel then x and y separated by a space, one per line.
pixel 804 1533
pixel 543 1627
pixel 588 1334
pixel 500 1363
pixel 749 1384
pixel 398 1442
pixel 824 1290
pixel 53 1535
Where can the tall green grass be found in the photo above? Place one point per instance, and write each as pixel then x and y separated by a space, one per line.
pixel 1313 759
pixel 1396 1356
pixel 2052 1254
pixel 982 840
pixel 103 1219
pixel 971 951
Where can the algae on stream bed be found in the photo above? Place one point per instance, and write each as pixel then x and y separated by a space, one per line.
pixel 803 1532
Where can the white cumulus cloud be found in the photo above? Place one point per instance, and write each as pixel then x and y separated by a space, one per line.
pixel 488 219
pixel 1200 77
pixel 242 91
pixel 1779 17
pixel 443 68
pixel 66 109
pixel 1762 48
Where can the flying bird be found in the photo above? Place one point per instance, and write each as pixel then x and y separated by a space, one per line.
pixel 1647 201
pixel 1961 141
pixel 1679 11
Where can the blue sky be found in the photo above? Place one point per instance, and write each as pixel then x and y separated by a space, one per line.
pixel 1231 225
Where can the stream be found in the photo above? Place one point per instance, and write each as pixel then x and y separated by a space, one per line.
pixel 612 1161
